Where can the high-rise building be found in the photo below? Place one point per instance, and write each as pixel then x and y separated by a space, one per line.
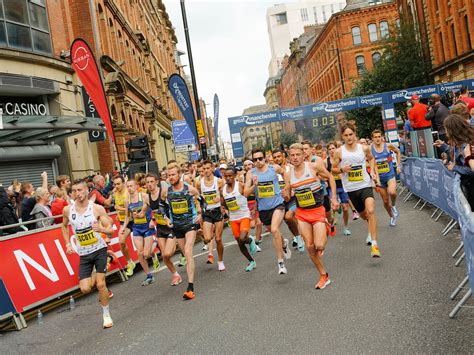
pixel 287 21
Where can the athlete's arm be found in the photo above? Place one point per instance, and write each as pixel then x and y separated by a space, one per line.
pixel 105 225
pixel 397 152
pixel 320 169
pixel 278 169
pixel 241 188
pixel 195 193
pixel 65 230
pixel 220 185
pixel 127 217
pixel 336 169
pixel 287 188
pixel 373 169
pixel 188 180
pixel 249 186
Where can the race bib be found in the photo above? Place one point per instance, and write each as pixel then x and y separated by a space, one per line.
pixel 139 220
pixel 356 175
pixel 159 219
pixel 305 198
pixel 86 237
pixel 383 167
pixel 282 185
pixel 121 216
pixel 232 204
pixel 179 207
pixel 336 176
pixel 210 197
pixel 266 189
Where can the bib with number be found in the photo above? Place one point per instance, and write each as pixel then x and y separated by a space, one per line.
pixel 159 219
pixel 305 198
pixel 210 196
pixel 383 167
pixel 137 220
pixel 266 189
pixel 356 174
pixel 232 204
pixel 86 237
pixel 179 206
pixel 336 176
pixel 282 185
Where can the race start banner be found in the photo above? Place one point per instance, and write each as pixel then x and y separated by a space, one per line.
pixel 179 91
pixel 85 66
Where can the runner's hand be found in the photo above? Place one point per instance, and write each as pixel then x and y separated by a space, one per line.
pixel 151 225
pixel 168 222
pixel 69 249
pixel 399 170
pixel 95 226
pixel 198 219
pixel 254 180
pixel 334 204
pixel 346 168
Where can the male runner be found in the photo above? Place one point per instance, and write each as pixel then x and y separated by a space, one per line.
pixel 350 162
pixel 209 246
pixel 252 204
pixel 303 179
pixel 388 183
pixel 143 227
pixel 263 180
pixel 120 196
pixel 279 157
pixel 88 220
pixel 184 219
pixel 239 216
pixel 164 233
pixel 210 187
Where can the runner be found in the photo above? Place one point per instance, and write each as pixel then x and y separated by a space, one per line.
pixel 303 179
pixel 382 153
pixel 239 215
pixel 279 157
pixel 120 196
pixel 88 220
pixel 341 194
pixel 350 162
pixel 252 204
pixel 143 227
pixel 210 187
pixel 210 246
pixel 184 219
pixel 264 180
pixel 166 239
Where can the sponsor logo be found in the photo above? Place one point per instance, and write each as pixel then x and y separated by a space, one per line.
pixel 407 94
pixel 450 87
pixel 255 119
pixel 372 101
pixel 81 58
pixel 335 106
pixel 180 99
pixel 292 114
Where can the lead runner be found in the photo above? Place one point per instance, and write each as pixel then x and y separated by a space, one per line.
pixel 88 220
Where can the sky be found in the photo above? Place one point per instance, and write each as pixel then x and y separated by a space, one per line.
pixel 231 52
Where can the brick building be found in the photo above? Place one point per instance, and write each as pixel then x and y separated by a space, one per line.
pixel 445 29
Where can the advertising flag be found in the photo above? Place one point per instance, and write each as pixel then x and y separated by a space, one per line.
pixel 216 115
pixel 179 91
pixel 85 66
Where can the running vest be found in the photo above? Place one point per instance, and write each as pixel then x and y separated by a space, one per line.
pixel 236 203
pixel 211 193
pixel 281 181
pixel 137 207
pixel 309 192
pixel 337 177
pixel 182 206
pixel 87 240
pixel 383 161
pixel 268 191
pixel 120 199
pixel 158 207
pixel 358 178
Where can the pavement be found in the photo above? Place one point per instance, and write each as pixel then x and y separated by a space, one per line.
pixel 396 304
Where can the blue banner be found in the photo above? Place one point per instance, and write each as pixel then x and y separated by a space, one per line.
pixel 182 134
pixel 6 304
pixel 179 91
pixel 216 118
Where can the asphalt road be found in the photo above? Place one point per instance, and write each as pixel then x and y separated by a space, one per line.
pixel 396 304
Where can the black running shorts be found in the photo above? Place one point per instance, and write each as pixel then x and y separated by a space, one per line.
pixel 87 263
pixel 180 231
pixel 358 198
pixel 267 215
pixel 212 216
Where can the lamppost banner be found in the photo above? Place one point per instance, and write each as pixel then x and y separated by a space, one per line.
pixel 216 117
pixel 85 66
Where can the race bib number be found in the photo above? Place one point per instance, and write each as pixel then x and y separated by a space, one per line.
pixel 137 220
pixel 210 197
pixel 383 167
pixel 336 176
pixel 159 219
pixel 179 207
pixel 121 216
pixel 355 175
pixel 86 237
pixel 266 189
pixel 232 204
pixel 305 198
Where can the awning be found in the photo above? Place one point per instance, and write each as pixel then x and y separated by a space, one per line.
pixel 40 130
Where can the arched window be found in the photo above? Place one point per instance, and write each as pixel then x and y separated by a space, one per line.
pixel 356 38
pixel 384 32
pixel 376 58
pixel 360 63
pixel 111 23
pixel 373 35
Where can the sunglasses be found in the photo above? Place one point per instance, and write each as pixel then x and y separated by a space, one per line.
pixel 258 159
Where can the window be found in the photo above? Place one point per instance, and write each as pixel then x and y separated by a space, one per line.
pixel 315 11
pixel 304 15
pixel 373 36
pixel 24 25
pixel 356 38
pixel 281 19
pixel 360 63
pixel 441 42
pixel 324 13
pixel 384 32
pixel 453 33
pixel 376 58
pixel 466 23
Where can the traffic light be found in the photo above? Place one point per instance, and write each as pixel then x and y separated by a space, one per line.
pixel 137 142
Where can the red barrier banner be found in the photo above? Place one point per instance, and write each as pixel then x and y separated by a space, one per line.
pixel 36 267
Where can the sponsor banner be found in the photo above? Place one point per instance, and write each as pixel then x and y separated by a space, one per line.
pixel 335 106
pixel 373 100
pixel 254 119
pixel 453 87
pixel 182 134
pixel 36 266
pixel 85 66
pixel 432 181
pixel 216 116
pixel 294 113
pixel 466 223
pixel 179 90
pixel 91 111
pixel 405 95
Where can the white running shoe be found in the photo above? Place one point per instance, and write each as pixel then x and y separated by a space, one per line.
pixel 393 220
pixel 395 212
pixel 286 249
pixel 220 266
pixel 282 269
pixel 108 322
pixel 204 246
pixel 259 249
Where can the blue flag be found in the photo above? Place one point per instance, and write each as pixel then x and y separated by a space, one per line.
pixel 216 117
pixel 179 91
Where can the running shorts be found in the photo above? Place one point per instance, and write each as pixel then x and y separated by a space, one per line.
pixel 311 216
pixel 290 205
pixel 384 180
pixel 164 234
pixel 239 226
pixel 341 194
pixel 181 230
pixel 143 230
pixel 212 216
pixel 358 198
pixel 87 263
pixel 129 225
pixel 327 203
pixel 266 216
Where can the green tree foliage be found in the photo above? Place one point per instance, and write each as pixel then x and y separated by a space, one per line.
pixel 288 139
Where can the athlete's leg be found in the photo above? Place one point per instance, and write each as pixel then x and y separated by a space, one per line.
pixel 392 190
pixel 369 215
pixel 186 244
pixel 258 229
pixel 148 247
pixel 306 230
pixel 345 214
pixel 207 228
pixel 219 227
pixel 86 285
pixel 277 218
pixel 386 202
pixel 291 222
pixel 167 247
pixel 139 244
pixel 242 240
pixel 102 288
pixel 123 244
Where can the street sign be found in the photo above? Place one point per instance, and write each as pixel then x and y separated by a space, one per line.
pixel 200 130
pixel 185 148
pixel 182 134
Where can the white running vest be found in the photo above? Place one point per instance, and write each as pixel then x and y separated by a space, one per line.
pixel 236 203
pixel 87 241
pixel 357 178
pixel 211 193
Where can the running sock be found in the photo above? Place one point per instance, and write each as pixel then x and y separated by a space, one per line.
pixel 190 287
pixel 280 261
pixel 374 243
pixel 105 311
pixel 175 273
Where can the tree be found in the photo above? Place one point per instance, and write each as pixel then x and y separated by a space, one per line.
pixel 288 139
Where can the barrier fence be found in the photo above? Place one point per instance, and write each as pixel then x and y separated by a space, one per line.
pixel 434 184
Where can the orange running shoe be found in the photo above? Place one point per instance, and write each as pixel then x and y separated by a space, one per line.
pixel 210 259
pixel 323 282
pixel 332 230
pixel 188 295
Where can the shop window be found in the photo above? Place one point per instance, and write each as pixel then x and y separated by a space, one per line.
pixel 373 36
pixel 360 63
pixel 356 38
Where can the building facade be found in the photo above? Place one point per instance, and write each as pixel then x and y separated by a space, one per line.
pixel 256 136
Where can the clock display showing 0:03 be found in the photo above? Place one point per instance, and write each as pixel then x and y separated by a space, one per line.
pixel 324 121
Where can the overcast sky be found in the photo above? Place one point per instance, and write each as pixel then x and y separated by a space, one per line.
pixel 231 51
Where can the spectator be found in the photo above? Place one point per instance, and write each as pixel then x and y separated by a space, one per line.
pixel 461 109
pixel 41 209
pixel 7 214
pixel 437 114
pixel 63 182
pixel 100 191
pixel 469 101
pixel 28 202
pixel 417 114
pixel 58 204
